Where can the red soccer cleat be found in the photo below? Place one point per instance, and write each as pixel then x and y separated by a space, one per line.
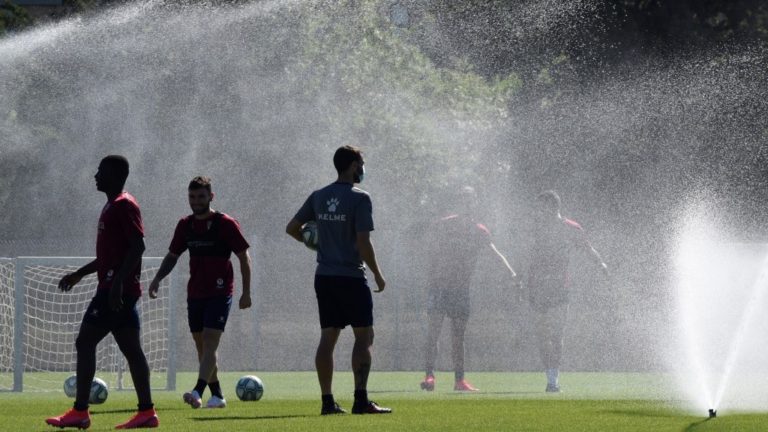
pixel 429 383
pixel 72 418
pixel 464 386
pixel 142 419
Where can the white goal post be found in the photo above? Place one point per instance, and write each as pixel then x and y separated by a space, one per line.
pixel 39 324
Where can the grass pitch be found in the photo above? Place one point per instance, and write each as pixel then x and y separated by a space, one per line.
pixel 507 401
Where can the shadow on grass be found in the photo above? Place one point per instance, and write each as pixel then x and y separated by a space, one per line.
pixel 695 425
pixel 269 417
pixel 638 413
pixel 132 411
pixel 390 391
pixel 508 393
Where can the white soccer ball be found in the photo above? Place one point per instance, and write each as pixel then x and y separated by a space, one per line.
pixel 70 386
pixel 249 388
pixel 99 392
pixel 309 235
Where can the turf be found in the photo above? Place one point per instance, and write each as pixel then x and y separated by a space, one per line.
pixel 508 401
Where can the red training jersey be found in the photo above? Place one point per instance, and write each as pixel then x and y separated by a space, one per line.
pixel 552 248
pixel 210 242
pixel 456 242
pixel 120 221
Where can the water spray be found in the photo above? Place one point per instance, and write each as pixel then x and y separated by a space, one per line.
pixel 712 413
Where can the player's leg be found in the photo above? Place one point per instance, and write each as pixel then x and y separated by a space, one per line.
pixel 324 367
pixel 435 319
pixel 128 339
pixel 546 337
pixel 196 321
pixel 331 323
pixel 458 329
pixel 215 315
pixel 217 397
pixel 556 329
pixel 458 312
pixel 359 308
pixel 92 330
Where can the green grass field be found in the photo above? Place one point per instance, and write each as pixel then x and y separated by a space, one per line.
pixel 507 401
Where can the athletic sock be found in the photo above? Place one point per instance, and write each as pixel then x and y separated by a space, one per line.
pixel 430 372
pixel 200 387
pixel 459 375
pixel 216 389
pixel 81 406
pixel 361 397
pixel 144 407
pixel 552 376
pixel 328 400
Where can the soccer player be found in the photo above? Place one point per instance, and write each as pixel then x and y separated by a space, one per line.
pixel 556 238
pixel 211 238
pixel 344 216
pixel 454 249
pixel 119 246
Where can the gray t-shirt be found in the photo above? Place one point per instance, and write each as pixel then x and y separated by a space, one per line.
pixel 341 211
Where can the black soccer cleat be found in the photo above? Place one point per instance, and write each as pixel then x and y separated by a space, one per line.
pixel 370 407
pixel 332 409
pixel 553 388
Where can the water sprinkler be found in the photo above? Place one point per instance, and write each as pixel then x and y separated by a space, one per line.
pixel 712 413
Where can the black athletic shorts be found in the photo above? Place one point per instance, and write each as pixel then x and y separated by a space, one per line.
pixel 100 315
pixel 211 312
pixel 343 301
pixel 453 302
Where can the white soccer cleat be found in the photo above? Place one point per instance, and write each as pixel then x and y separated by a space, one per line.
pixel 216 402
pixel 193 399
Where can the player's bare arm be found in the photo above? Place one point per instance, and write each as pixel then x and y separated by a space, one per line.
pixel 132 258
pixel 368 255
pixel 71 279
pixel 293 229
pixel 169 262
pixel 504 260
pixel 245 272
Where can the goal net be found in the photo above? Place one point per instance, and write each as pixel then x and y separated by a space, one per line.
pixel 39 324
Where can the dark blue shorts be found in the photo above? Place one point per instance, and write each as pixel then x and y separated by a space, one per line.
pixel 100 315
pixel 211 312
pixel 343 301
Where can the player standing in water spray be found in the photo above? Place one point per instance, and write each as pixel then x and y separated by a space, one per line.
pixel 454 251
pixel 344 216
pixel 556 238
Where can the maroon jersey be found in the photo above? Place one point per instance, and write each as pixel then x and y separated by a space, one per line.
pixel 548 277
pixel 210 243
pixel 120 221
pixel 456 242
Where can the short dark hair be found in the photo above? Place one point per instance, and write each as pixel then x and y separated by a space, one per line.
pixel 200 182
pixel 344 157
pixel 118 166
pixel 550 198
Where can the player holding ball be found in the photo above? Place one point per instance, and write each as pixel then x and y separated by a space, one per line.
pixel 344 217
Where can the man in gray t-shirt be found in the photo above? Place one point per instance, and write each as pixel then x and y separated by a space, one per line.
pixel 344 217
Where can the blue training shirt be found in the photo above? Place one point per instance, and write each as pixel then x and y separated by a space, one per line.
pixel 340 211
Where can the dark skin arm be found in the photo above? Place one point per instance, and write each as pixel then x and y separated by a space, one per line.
pixel 70 280
pixel 132 257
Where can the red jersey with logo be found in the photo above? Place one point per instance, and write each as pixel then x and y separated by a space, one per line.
pixel 456 242
pixel 210 243
pixel 120 221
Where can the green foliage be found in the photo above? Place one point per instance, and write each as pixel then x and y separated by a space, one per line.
pixel 386 92
pixel 13 17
